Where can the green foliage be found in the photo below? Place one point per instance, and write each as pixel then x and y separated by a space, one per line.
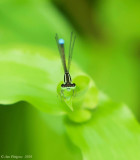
pixel 102 132
pixel 108 135
pixel 88 125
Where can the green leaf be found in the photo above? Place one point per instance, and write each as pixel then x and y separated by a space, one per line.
pixel 80 116
pixel 34 74
pixel 27 130
pixel 111 134
pixel 32 77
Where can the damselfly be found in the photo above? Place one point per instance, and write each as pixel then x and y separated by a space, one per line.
pixel 67 85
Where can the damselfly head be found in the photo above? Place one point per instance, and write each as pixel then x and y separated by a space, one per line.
pixel 67 81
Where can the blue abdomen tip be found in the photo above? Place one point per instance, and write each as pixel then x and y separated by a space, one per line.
pixel 61 41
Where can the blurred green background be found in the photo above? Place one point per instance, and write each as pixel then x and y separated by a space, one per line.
pixel 107 48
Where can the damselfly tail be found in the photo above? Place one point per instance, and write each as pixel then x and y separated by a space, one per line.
pixel 60 44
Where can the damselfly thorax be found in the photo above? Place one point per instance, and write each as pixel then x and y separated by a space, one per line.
pixel 67 85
